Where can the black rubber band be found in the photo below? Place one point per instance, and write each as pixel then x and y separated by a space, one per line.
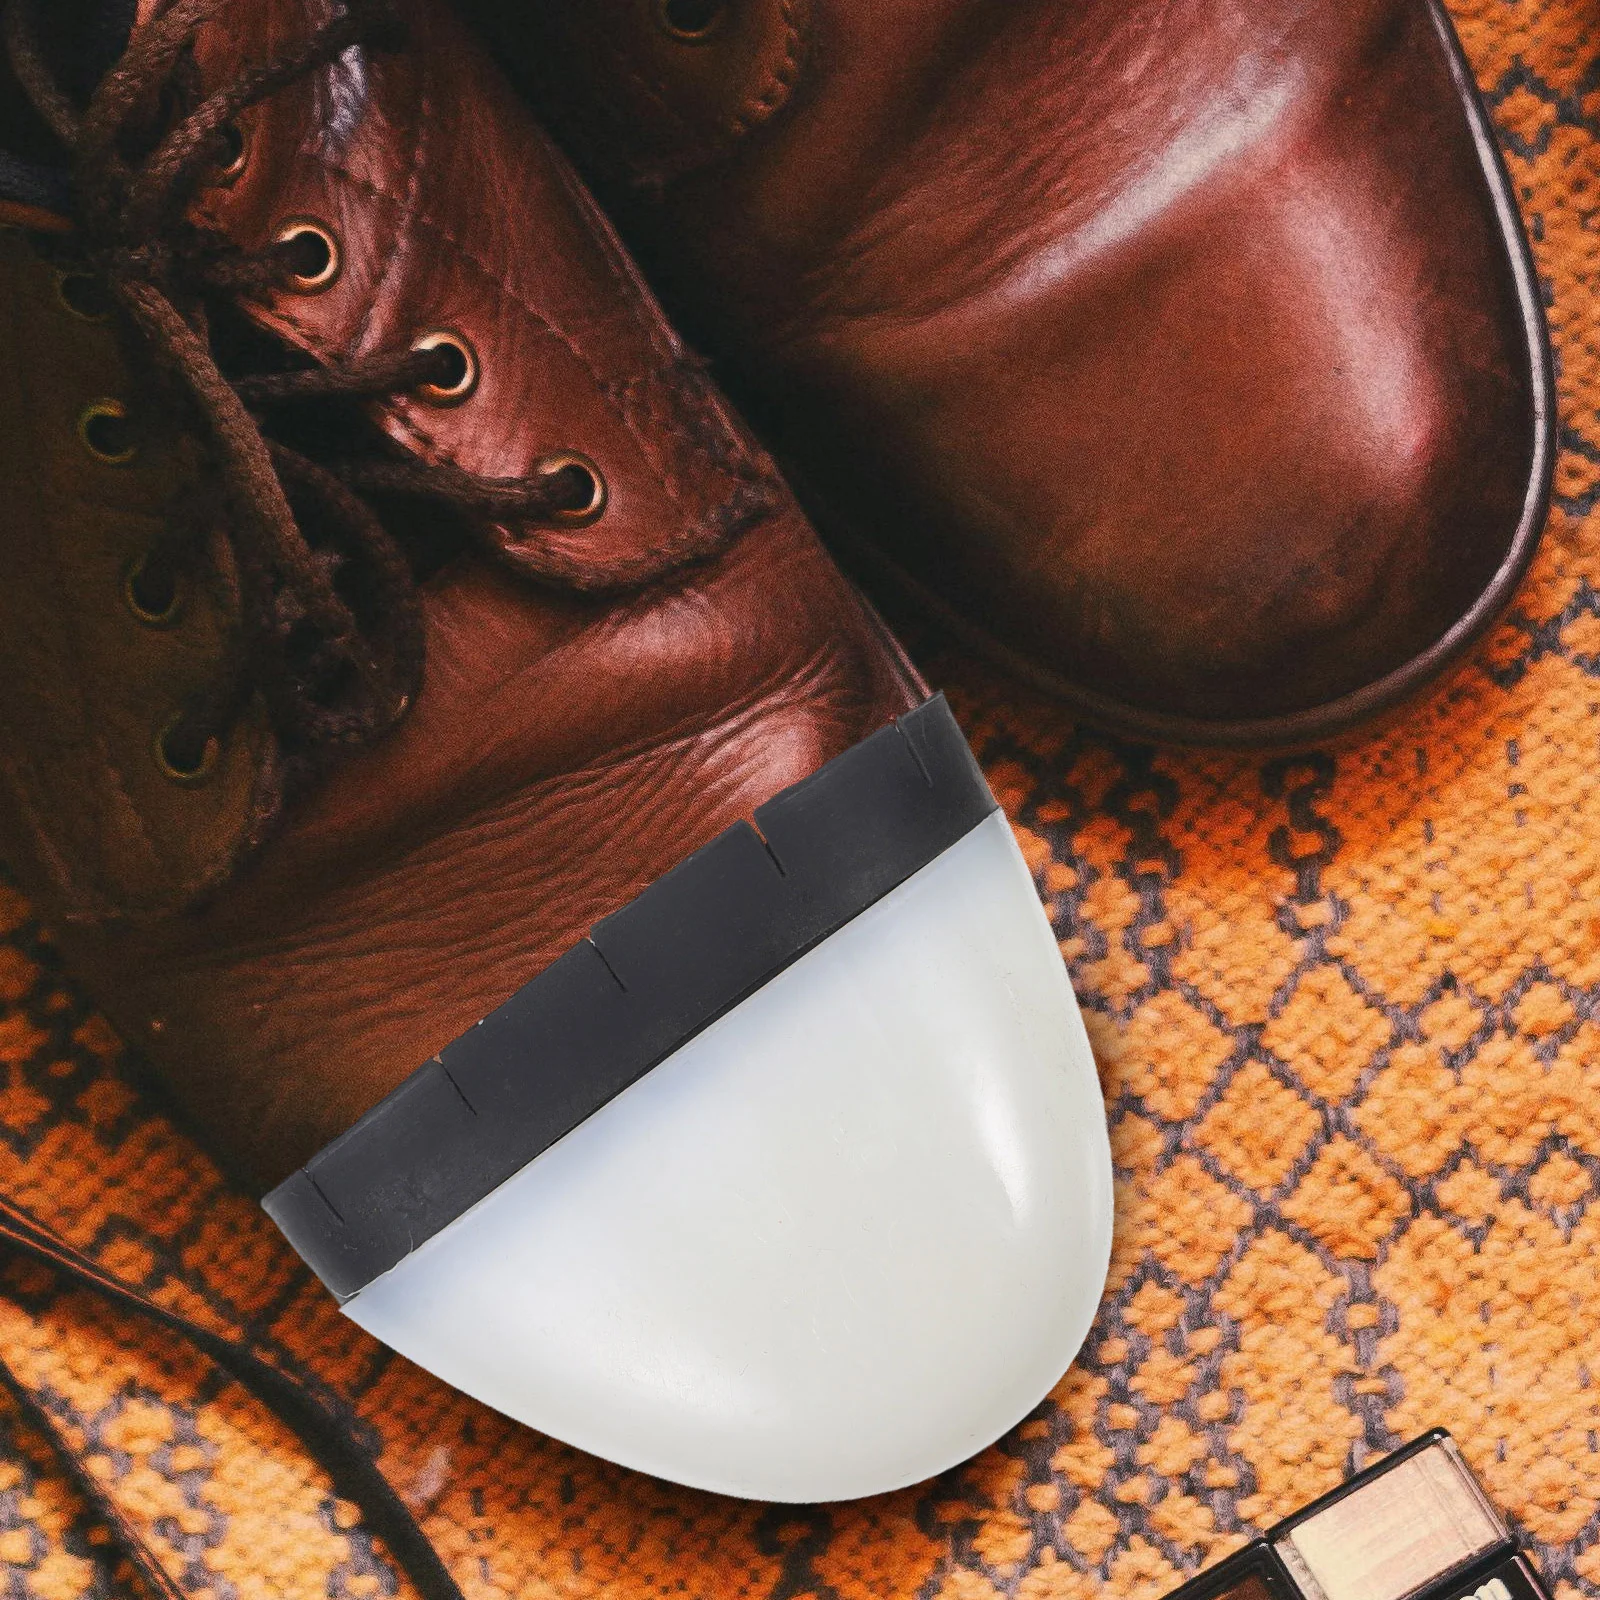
pixel 646 981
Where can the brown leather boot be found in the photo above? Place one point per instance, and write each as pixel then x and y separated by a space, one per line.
pixel 1186 357
pixel 390 603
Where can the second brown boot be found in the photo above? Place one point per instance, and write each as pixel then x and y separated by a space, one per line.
pixel 1187 357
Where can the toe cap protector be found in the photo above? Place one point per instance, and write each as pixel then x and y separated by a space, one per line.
pixel 839 1241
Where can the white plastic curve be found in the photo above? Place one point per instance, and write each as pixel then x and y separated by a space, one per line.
pixel 842 1240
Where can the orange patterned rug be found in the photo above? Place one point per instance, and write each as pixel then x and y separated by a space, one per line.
pixel 1347 1009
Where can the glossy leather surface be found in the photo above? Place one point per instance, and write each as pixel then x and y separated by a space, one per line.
pixel 1184 353
pixel 565 751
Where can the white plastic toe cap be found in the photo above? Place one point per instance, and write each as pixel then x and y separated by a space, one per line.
pixel 840 1241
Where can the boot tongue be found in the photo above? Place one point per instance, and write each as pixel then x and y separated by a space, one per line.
pixel 82 40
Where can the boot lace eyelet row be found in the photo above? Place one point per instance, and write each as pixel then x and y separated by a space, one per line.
pixel 84 295
pixel 234 144
pixel 329 640
pixel 691 21
pixel 456 364
pixel 184 758
pixel 311 254
pixel 106 432
pixel 585 481
pixel 152 590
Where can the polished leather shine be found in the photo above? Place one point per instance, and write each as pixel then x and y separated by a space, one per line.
pixel 564 752
pixel 1185 354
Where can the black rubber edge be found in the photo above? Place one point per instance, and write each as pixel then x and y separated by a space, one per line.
pixel 645 982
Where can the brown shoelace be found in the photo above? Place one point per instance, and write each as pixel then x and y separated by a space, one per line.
pixel 323 1421
pixel 163 287
pixel 332 671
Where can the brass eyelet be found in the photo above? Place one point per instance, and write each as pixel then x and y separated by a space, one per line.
pixel 174 769
pixel 569 461
pixel 691 21
pixel 321 260
pixel 158 609
pixel 83 294
pixel 232 139
pixel 463 374
pixel 103 428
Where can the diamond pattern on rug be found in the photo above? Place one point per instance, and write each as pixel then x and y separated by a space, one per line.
pixel 1347 1010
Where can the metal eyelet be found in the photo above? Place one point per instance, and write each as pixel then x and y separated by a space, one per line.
pixel 232 139
pixel 318 258
pixel 587 474
pixel 105 432
pixel 83 294
pixel 152 592
pixel 462 368
pixel 176 766
pixel 691 21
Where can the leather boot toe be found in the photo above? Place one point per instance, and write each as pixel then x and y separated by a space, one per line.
pixel 1187 357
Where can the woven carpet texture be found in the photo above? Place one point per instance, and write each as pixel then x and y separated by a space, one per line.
pixel 1347 1012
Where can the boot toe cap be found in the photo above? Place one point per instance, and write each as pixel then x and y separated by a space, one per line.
pixel 835 1244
